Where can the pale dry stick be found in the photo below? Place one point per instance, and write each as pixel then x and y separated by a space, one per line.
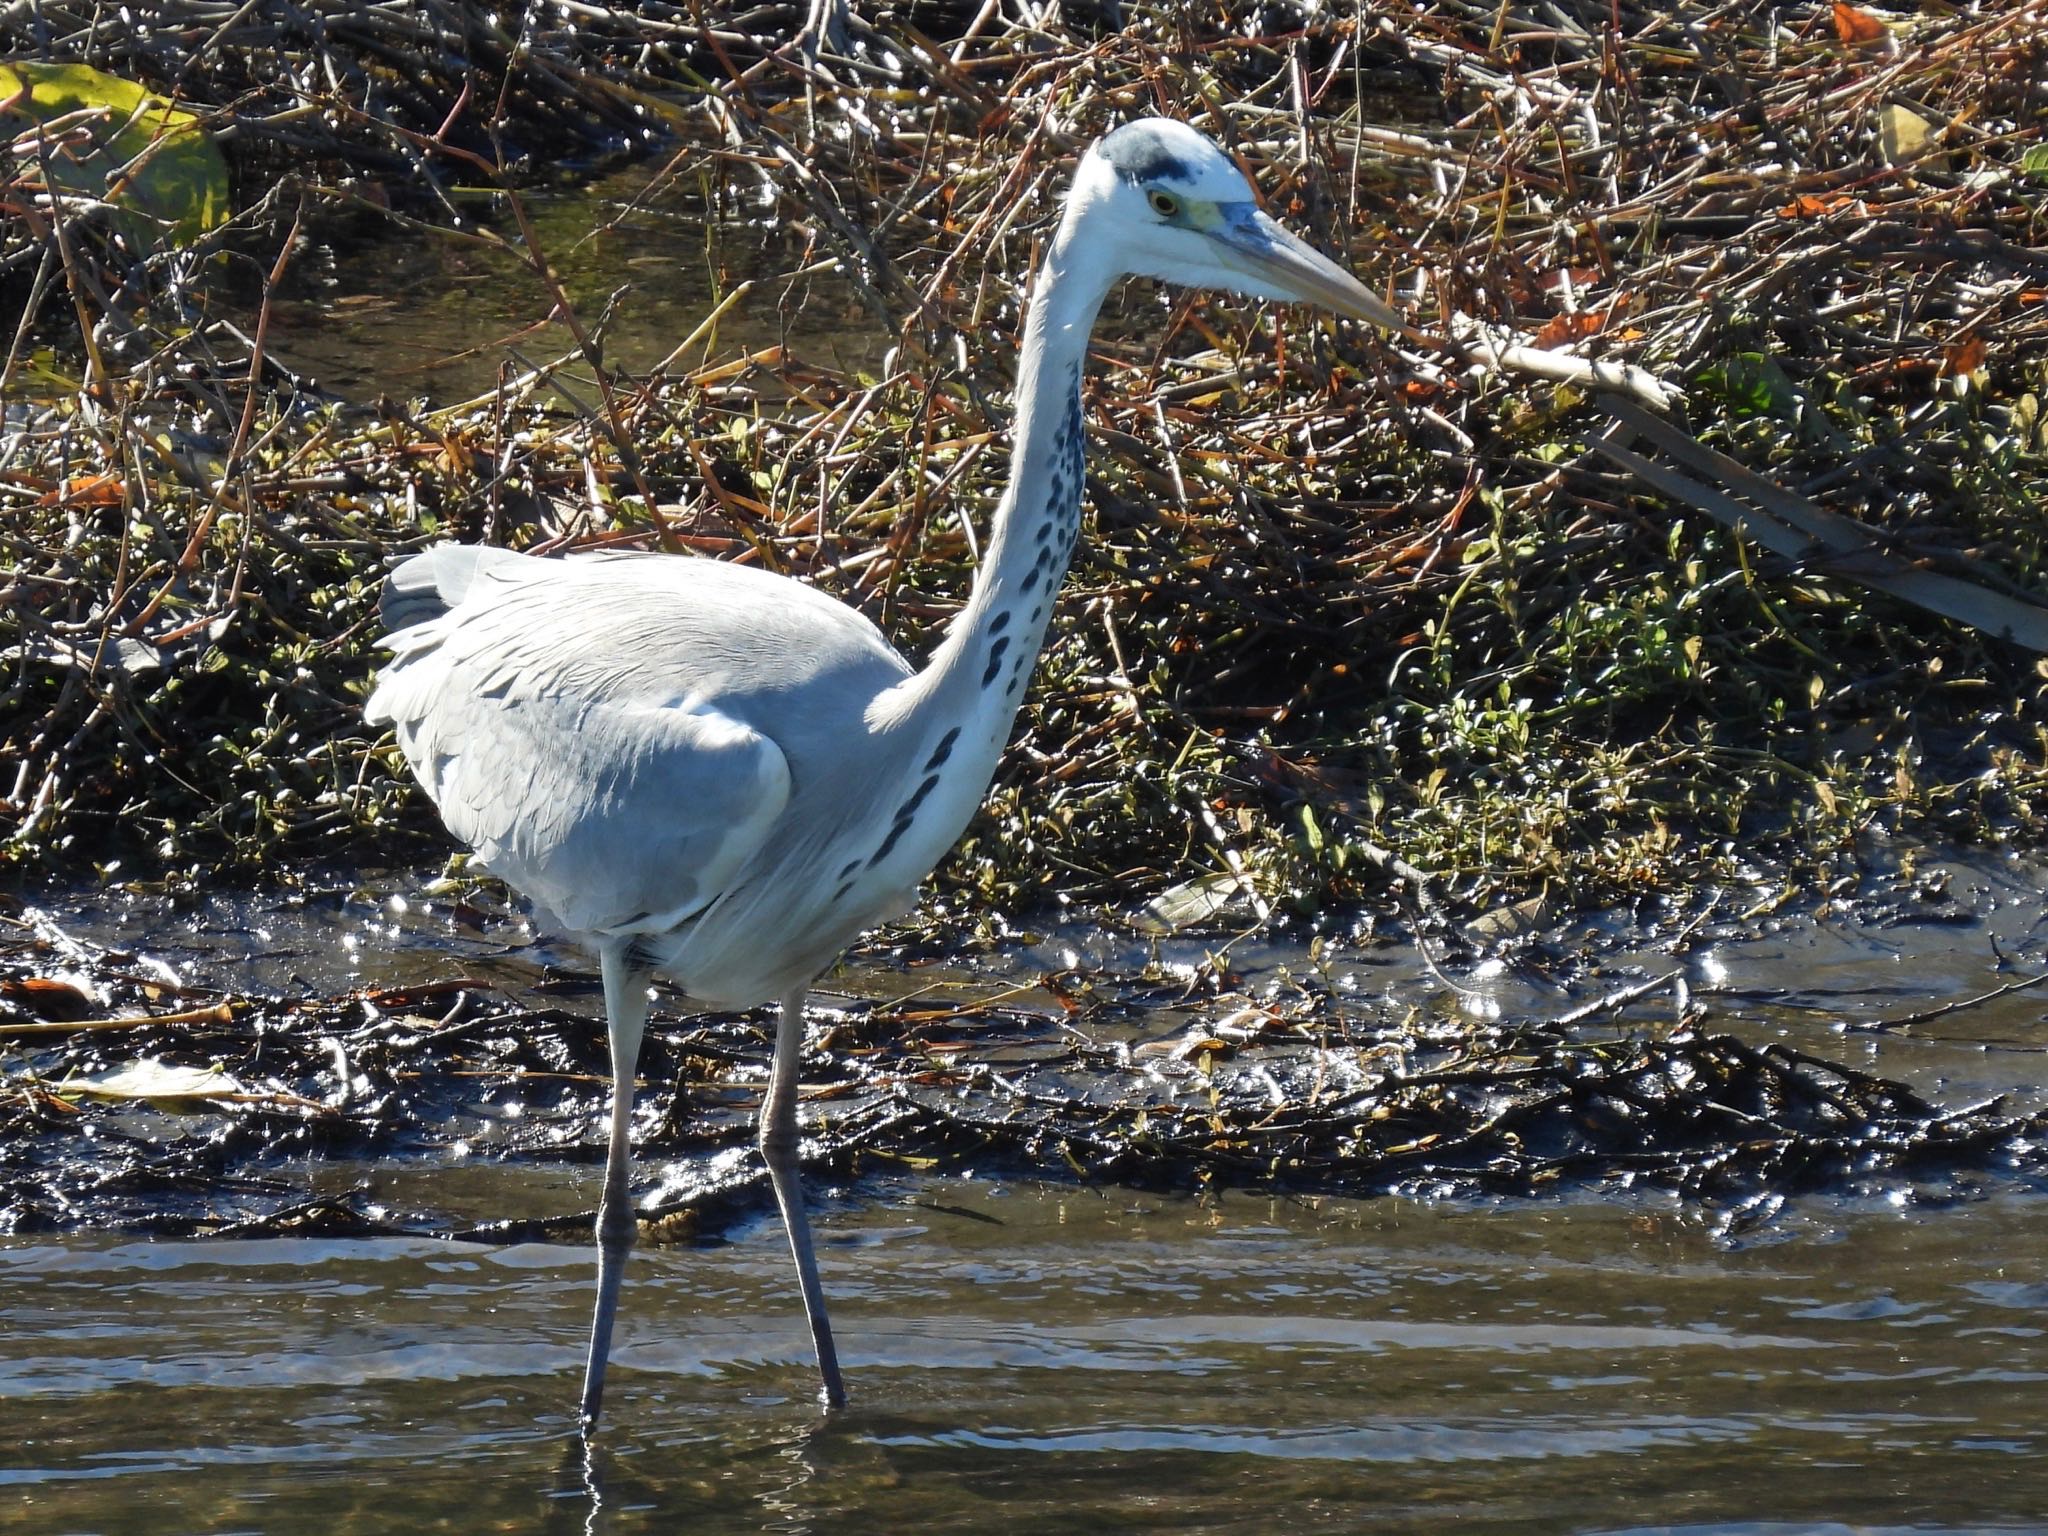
pixel 707 327
pixel 1621 997
pixel 1927 1016
pixel 1180 489
pixel 1297 85
pixel 219 1013
pixel 1799 529
pixel 1582 372
pixel 989 10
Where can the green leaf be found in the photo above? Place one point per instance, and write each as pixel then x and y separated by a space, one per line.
pixel 1311 831
pixel 2035 162
pixel 107 140
pixel 1753 383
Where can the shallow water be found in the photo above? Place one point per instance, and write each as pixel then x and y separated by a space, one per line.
pixel 1028 1357
pixel 651 258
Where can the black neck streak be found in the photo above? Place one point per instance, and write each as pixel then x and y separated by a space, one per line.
pixel 1050 514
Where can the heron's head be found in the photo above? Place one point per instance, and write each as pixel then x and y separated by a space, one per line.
pixel 1158 199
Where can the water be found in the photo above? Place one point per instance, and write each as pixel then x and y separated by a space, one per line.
pixel 653 257
pixel 1026 1358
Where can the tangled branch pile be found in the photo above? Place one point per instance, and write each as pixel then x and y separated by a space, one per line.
pixel 219 1113
pixel 1336 589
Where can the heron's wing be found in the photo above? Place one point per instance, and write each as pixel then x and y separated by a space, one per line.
pixel 435 580
pixel 606 788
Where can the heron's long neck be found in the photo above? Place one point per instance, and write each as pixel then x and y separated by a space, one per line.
pixel 947 725
pixel 976 678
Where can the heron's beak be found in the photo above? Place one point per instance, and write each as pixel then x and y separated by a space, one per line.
pixel 1286 266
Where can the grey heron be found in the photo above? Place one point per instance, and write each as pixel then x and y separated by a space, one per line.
pixel 724 776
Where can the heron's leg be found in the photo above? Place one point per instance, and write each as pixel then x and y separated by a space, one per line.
pixel 779 1151
pixel 625 1012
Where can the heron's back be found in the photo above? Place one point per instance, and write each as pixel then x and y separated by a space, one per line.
pixel 633 739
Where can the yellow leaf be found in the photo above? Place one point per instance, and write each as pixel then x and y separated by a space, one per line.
pixel 1901 132
pixel 99 138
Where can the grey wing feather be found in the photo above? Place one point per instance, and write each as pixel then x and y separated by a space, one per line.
pixel 592 727
pixel 436 580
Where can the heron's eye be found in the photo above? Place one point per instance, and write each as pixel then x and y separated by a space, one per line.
pixel 1165 204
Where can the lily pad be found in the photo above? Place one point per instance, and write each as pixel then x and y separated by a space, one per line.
pixel 107 140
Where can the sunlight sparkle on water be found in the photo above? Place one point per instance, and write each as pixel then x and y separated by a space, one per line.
pixel 1479 1001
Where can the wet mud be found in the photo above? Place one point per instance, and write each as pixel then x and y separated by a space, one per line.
pixel 146 1096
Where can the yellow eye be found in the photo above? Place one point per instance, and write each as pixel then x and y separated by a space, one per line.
pixel 1165 204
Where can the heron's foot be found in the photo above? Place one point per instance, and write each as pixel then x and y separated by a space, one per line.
pixel 616 1226
pixel 831 1392
pixel 831 1387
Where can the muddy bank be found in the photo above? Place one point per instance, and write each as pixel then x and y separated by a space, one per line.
pixel 247 1075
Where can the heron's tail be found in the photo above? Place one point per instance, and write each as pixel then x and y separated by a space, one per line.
pixel 433 581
